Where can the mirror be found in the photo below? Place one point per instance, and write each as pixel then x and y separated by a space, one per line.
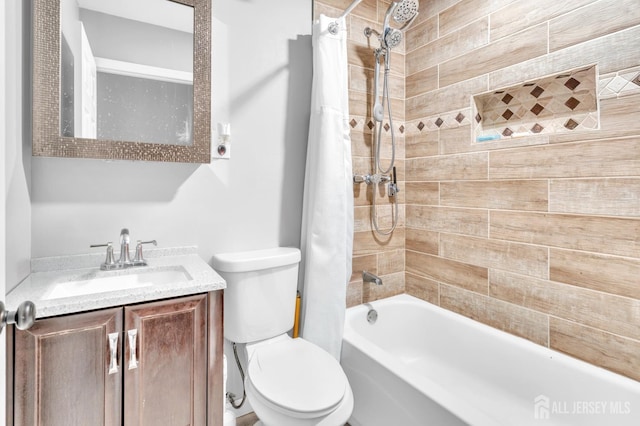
pixel 122 80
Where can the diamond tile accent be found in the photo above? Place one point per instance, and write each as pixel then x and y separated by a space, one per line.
pixel 537 109
pixel 507 98
pixel 459 117
pixel 572 83
pixel 571 124
pixel 636 80
pixel 370 125
pixel 420 125
pixel 353 123
pixel 439 122
pixel 386 127
pixel 401 129
pixel 572 103
pixel 545 105
pixel 507 114
pixel 537 91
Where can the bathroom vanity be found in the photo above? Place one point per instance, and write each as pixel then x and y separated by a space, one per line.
pixel 109 349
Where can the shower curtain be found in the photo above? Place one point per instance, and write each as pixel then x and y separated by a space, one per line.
pixel 327 215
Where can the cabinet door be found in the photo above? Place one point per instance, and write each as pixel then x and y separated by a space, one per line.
pixel 165 375
pixel 62 371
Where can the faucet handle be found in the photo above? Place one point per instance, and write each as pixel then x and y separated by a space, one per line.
pixel 109 261
pixel 139 259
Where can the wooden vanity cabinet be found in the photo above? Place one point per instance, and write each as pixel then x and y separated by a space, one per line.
pixel 168 361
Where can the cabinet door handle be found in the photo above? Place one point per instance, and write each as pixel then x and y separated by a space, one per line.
pixel 113 352
pixel 133 359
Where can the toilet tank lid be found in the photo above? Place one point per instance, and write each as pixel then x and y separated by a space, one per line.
pixel 256 260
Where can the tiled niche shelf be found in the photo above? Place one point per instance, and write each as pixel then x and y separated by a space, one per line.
pixel 560 103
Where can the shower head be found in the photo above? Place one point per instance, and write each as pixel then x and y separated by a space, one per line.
pixel 406 10
pixel 403 12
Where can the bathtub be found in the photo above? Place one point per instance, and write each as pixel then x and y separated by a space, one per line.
pixel 419 364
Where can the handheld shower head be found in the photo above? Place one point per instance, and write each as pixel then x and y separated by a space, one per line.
pixel 392 38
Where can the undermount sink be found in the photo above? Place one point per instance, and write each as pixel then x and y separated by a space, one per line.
pixel 120 280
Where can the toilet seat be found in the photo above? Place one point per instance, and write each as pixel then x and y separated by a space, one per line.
pixel 297 378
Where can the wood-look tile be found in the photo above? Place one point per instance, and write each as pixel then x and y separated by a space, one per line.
pixel 515 257
pixel 448 219
pixel 425 193
pixel 421 145
pixel 597 347
pixel 431 8
pixel 363 263
pixel 386 214
pixel 589 233
pixel 461 140
pixel 507 51
pixel 611 197
pixel 392 284
pixel 625 55
pixel 524 13
pixel 466 11
pixel 354 293
pixel 422 288
pixel 361 80
pixel 421 240
pixel 361 103
pixel 595 20
pixel 473 278
pixel 451 98
pixel 504 194
pixel 421 82
pixel 367 9
pixel 421 33
pixel 362 218
pixel 618 118
pixel 504 316
pixel 391 262
pixel 615 314
pixel 361 145
pixel 614 157
pixel 369 242
pixel 357 25
pixel 450 167
pixel 457 43
pixel 610 274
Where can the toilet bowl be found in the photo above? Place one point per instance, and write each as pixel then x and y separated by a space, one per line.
pixel 292 382
pixel 289 382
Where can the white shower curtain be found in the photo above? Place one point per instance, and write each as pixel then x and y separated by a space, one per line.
pixel 327 216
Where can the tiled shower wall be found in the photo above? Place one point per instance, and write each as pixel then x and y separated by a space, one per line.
pixel 538 235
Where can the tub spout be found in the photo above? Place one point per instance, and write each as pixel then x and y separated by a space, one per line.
pixel 368 277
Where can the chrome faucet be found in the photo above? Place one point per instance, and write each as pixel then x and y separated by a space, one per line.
pixel 368 277
pixel 125 256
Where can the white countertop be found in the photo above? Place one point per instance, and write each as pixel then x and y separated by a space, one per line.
pixel 48 274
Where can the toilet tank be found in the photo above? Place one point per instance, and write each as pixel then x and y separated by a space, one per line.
pixel 260 298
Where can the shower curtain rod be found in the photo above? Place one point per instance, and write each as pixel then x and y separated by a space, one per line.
pixel 334 26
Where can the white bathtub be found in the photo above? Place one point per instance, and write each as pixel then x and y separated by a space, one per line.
pixel 423 365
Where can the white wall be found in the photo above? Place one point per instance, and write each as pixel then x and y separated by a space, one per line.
pixel 261 85
pixel 17 144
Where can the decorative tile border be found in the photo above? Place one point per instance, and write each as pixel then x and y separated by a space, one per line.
pixel 618 84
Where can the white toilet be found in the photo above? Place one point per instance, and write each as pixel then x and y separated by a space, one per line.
pixel 289 382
